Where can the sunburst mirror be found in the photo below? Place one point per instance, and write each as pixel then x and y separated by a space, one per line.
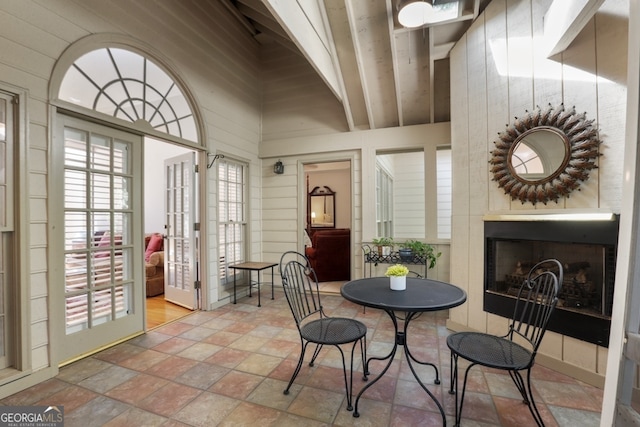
pixel 545 154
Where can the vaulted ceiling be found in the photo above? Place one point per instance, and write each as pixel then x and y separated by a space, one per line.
pixel 385 75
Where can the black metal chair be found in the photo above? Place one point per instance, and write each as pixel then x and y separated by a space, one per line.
pixel 292 256
pixel 516 351
pixel 301 289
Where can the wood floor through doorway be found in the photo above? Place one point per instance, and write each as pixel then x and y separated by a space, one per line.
pixel 160 311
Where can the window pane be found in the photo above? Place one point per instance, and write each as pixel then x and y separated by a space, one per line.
pixel 129 63
pixel 444 179
pixel 100 153
pixel 75 189
pixel 121 192
pixel 100 191
pixel 75 88
pixel 75 231
pixel 3 120
pixel 75 148
pixel 3 162
pixel 98 66
pixel 121 158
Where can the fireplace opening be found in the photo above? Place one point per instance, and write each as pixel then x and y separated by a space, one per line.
pixel 586 249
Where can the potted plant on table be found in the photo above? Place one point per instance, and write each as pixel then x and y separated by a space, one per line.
pixel 397 275
pixel 415 248
pixel 384 244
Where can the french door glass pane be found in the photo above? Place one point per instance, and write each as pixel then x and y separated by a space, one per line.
pixel 75 189
pixel 98 229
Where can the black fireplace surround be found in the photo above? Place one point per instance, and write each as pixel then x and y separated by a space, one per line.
pixel 587 249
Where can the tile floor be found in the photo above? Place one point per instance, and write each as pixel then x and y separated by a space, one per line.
pixel 228 367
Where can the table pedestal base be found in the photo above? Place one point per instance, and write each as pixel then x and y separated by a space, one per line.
pixel 401 340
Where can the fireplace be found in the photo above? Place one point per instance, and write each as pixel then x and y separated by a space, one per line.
pixel 586 248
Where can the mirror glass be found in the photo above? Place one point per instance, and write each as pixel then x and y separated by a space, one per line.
pixel 400 195
pixel 322 208
pixel 538 154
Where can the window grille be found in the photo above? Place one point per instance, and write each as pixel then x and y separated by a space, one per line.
pixel 128 86
pixel 232 193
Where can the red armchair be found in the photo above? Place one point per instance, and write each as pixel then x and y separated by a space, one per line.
pixel 154 264
pixel 330 254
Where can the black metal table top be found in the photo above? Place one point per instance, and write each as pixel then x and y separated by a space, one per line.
pixel 420 295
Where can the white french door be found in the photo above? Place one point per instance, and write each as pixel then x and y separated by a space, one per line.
pixel 180 273
pixel 102 295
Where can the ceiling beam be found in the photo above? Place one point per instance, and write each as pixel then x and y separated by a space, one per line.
pixel 346 103
pixel 394 60
pixel 565 19
pixel 359 61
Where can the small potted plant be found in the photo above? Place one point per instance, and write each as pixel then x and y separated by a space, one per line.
pixel 397 275
pixel 384 245
pixel 415 248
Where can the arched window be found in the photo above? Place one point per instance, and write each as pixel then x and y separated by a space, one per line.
pixel 126 85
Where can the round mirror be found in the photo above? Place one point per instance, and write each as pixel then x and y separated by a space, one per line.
pixel 545 154
pixel 539 154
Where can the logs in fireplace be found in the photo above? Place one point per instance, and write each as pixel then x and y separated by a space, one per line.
pixel 587 250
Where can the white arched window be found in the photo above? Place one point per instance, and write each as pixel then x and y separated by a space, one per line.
pixel 128 86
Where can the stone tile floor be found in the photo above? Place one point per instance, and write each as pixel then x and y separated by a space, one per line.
pixel 229 366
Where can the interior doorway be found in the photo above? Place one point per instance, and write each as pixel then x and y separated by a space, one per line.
pixel 160 310
pixel 328 221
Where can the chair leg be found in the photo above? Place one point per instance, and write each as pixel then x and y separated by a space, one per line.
pixel 454 387
pixel 297 370
pixel 527 394
pixel 344 372
pixel 316 352
pixel 532 406
pixel 363 353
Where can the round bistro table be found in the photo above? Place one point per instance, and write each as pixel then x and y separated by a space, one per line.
pixel 421 295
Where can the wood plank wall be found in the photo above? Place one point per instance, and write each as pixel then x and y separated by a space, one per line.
pixel 499 70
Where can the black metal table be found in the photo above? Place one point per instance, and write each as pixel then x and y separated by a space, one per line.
pixel 421 295
pixel 253 266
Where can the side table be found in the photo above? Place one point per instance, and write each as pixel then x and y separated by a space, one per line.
pixel 252 266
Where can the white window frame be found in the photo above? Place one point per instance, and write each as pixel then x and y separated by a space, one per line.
pixel 444 193
pixel 14 234
pixel 384 202
pixel 232 252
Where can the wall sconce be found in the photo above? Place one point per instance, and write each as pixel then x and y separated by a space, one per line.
pixel 278 167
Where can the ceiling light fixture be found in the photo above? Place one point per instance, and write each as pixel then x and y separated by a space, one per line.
pixel 416 13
